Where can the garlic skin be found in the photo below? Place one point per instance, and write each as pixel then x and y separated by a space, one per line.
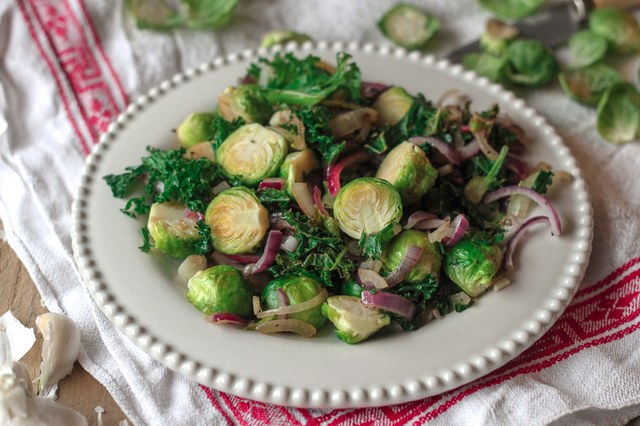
pixel 59 351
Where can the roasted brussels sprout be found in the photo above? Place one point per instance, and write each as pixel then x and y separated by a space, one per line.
pixel 618 27
pixel 472 264
pixel 497 36
pixel 408 26
pixel 428 263
pixel 367 205
pixel 173 229
pixel 354 321
pixel 195 128
pixel 408 169
pixel 392 105
pixel 237 219
pixel 252 153
pixel 282 37
pixel 298 289
pixel 221 288
pixel 588 84
pixel 618 118
pixel 530 63
pixel 244 101
pixel 296 166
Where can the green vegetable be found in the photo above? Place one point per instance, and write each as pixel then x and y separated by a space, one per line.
pixel 352 288
pixel 511 9
pixel 246 102
pixel 298 289
pixel 428 263
pixel 618 117
pixel 154 14
pixel 221 288
pixel 173 232
pixel 618 27
pixel 195 128
pixel 587 47
pixel 531 64
pixel 238 221
pixel 372 244
pixel 392 105
pixel 273 38
pixel 164 14
pixel 587 85
pixel 353 320
pixel 296 166
pixel 252 153
pixel 367 205
pixel 408 26
pixel 497 36
pixel 542 182
pixel 211 14
pixel 318 135
pixel 472 264
pixel 487 65
pixel 479 185
pixel 409 170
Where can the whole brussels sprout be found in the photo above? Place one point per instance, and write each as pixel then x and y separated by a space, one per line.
pixel 472 264
pixel 497 36
pixel 237 219
pixel 298 289
pixel 296 166
pixel 408 26
pixel 352 288
pixel 618 27
pixel 367 205
pixel 618 117
pixel 408 169
pixel 392 105
pixel 244 101
pixel 252 152
pixel 173 229
pixel 530 63
pixel 587 85
pixel 354 321
pixel 282 37
pixel 221 288
pixel 429 261
pixel 495 68
pixel 195 128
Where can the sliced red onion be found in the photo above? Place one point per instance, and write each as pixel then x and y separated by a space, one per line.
pixel 304 199
pixel 270 251
pixel 347 123
pixel 289 244
pixel 282 224
pixel 470 150
pixel 552 214
pixel 290 325
pixel 317 198
pixel 189 214
pixel 228 318
pixel 465 128
pixel 411 256
pixel 430 224
pixel 513 242
pixel 518 131
pixel 389 302
pixel 275 183
pixel 298 307
pixel 460 225
pixel 372 90
pixel 283 301
pixel 440 145
pixel 333 179
pixel 243 258
pixel 371 264
pixel 370 279
pixel 517 166
pixel 418 217
pixel 486 149
pixel 222 259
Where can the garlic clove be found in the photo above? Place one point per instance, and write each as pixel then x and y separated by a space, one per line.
pixel 59 350
pixel 15 339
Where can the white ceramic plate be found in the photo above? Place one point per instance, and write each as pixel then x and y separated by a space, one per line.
pixel 139 294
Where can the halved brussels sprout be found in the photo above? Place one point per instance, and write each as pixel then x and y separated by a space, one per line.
pixel 173 229
pixel 408 26
pixel 392 105
pixel 296 166
pixel 587 85
pixel 472 265
pixel 618 117
pixel 201 150
pixel 618 27
pixel 195 128
pixel 408 169
pixel 497 36
pixel 428 263
pixel 244 101
pixel 221 288
pixel 367 205
pixel 298 289
pixel 531 64
pixel 354 321
pixel 252 153
pixel 237 219
pixel 282 37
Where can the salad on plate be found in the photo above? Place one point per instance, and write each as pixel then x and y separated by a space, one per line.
pixel 309 195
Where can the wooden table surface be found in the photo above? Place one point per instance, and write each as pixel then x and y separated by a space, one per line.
pixel 79 390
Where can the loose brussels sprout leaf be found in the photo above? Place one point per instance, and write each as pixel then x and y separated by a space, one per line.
pixel 282 37
pixel 209 13
pixel 354 321
pixel 154 14
pixel 618 118
pixel 392 105
pixel 298 289
pixel 296 166
pixel 487 65
pixel 367 205
pixel 246 101
pixel 195 128
pixel 531 64
pixel 587 47
pixel 408 26
pixel 408 169
pixel 237 219
pixel 472 264
pixel 511 9
pixel 587 85
pixel 497 36
pixel 618 27
pixel 352 288
pixel 428 263
pixel 173 232
pixel 252 153
pixel 221 288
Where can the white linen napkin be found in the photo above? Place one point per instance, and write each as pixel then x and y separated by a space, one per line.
pixel 69 67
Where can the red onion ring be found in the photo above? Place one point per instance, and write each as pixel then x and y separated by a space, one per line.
pixel 369 279
pixel 411 256
pixel 470 150
pixel 228 318
pixel 189 214
pixel 513 242
pixel 275 183
pixel 222 259
pixel 440 145
pixel 460 224
pixel 389 302
pixel 304 199
pixel 418 217
pixel 372 90
pixel 317 199
pixel 270 251
pixel 333 179
pixel 243 258
pixel 517 166
pixel 552 214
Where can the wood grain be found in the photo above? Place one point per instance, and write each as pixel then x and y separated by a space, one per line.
pixel 79 390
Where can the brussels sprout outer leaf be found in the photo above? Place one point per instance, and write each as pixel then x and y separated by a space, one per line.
pixel 221 288
pixel 354 322
pixel 429 262
pixel 511 9
pixel 408 26
pixel 487 65
pixel 472 265
pixel 618 27
pixel 587 85
pixel 587 47
pixel 618 117
pixel 298 289
pixel 296 166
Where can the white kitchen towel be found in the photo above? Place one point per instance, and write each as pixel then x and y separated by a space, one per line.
pixel 68 67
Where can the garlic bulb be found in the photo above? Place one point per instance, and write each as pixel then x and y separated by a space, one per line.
pixel 59 350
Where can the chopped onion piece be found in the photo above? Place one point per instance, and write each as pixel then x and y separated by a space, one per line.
pixel 513 242
pixel 436 313
pixel 289 244
pixel 470 150
pixel 486 149
pixel 292 309
pixel 347 123
pixel 371 264
pixel 440 233
pixel 445 170
pixel 333 178
pixel 499 283
pixel 461 298
pixel 418 217
pixel 282 224
pixel 228 318
pixel 244 258
pixel 304 199
pixel 221 259
pixel 444 148
pixel 270 251
pixel 389 302
pixel 317 199
pixel 459 225
pixel 411 256
pixel 372 90
pixel 256 305
pixel 291 325
pixel 275 183
pixel 370 279
pixel 222 186
pixel 552 214
pixel 191 265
